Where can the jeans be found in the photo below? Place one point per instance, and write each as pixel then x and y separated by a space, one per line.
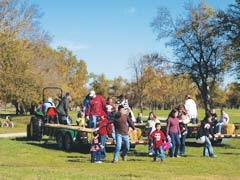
pixel 207 148
pixel 125 146
pixel 219 126
pixel 182 144
pixel 193 120
pixel 103 139
pixel 175 144
pixel 113 133
pixel 95 156
pixel 150 149
pixel 158 152
pixel 93 121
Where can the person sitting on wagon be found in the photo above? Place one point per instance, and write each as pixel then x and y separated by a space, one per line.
pixel 224 119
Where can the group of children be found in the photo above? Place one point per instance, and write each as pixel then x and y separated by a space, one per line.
pixel 171 139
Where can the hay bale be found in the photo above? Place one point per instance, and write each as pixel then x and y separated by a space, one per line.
pixel 135 135
pixel 228 129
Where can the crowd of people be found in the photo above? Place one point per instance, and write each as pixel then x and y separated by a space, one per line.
pixel 115 119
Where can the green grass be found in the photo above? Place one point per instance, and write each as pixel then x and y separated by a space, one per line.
pixel 21 159
pixel 35 160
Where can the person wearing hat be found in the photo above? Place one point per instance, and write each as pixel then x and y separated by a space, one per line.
pixel 62 109
pixel 96 107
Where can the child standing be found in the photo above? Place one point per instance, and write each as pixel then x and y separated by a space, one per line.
pixel 157 137
pixel 207 131
pixel 103 134
pixel 95 149
pixel 80 119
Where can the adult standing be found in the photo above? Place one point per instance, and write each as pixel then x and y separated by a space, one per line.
pixel 96 107
pixel 62 109
pixel 173 130
pixel 191 109
pixel 121 123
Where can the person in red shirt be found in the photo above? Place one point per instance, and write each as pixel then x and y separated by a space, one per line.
pixel 103 133
pixel 157 137
pixel 96 107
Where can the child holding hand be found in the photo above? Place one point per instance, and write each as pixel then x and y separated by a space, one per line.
pixel 157 137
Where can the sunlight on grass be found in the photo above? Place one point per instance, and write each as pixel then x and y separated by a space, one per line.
pixel 36 160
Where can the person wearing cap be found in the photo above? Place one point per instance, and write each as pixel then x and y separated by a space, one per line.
pixel 96 107
pixel 62 109
pixel 191 109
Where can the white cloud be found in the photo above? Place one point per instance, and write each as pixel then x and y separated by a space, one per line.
pixel 131 10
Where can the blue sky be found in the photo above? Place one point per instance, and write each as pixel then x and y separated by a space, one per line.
pixel 108 34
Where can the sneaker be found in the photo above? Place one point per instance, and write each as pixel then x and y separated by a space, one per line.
pixel 113 161
pixel 213 156
pixel 177 156
pixel 98 162
pixel 182 155
pixel 150 154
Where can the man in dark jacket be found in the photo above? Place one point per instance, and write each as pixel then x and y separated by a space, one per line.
pixel 62 109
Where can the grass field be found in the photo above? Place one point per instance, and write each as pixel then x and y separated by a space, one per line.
pixel 28 160
pixel 24 160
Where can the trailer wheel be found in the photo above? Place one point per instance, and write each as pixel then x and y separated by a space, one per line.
pixel 59 140
pixel 68 142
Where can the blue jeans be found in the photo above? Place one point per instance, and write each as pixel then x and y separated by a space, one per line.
pixel 175 144
pixel 125 146
pixel 113 133
pixel 95 156
pixel 103 139
pixel 219 126
pixel 193 120
pixel 93 121
pixel 182 144
pixel 158 152
pixel 207 148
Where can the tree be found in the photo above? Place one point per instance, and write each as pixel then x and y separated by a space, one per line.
pixel 233 94
pixel 100 84
pixel 19 34
pixel 149 83
pixel 198 45
pixel 229 21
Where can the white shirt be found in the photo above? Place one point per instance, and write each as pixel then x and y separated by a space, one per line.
pixel 191 108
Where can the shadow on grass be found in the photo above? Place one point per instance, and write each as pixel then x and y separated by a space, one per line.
pixel 50 144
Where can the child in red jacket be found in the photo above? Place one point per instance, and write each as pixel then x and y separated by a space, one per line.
pixel 157 138
pixel 103 134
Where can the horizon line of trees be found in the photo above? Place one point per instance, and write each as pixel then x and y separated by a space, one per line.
pixel 205 43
